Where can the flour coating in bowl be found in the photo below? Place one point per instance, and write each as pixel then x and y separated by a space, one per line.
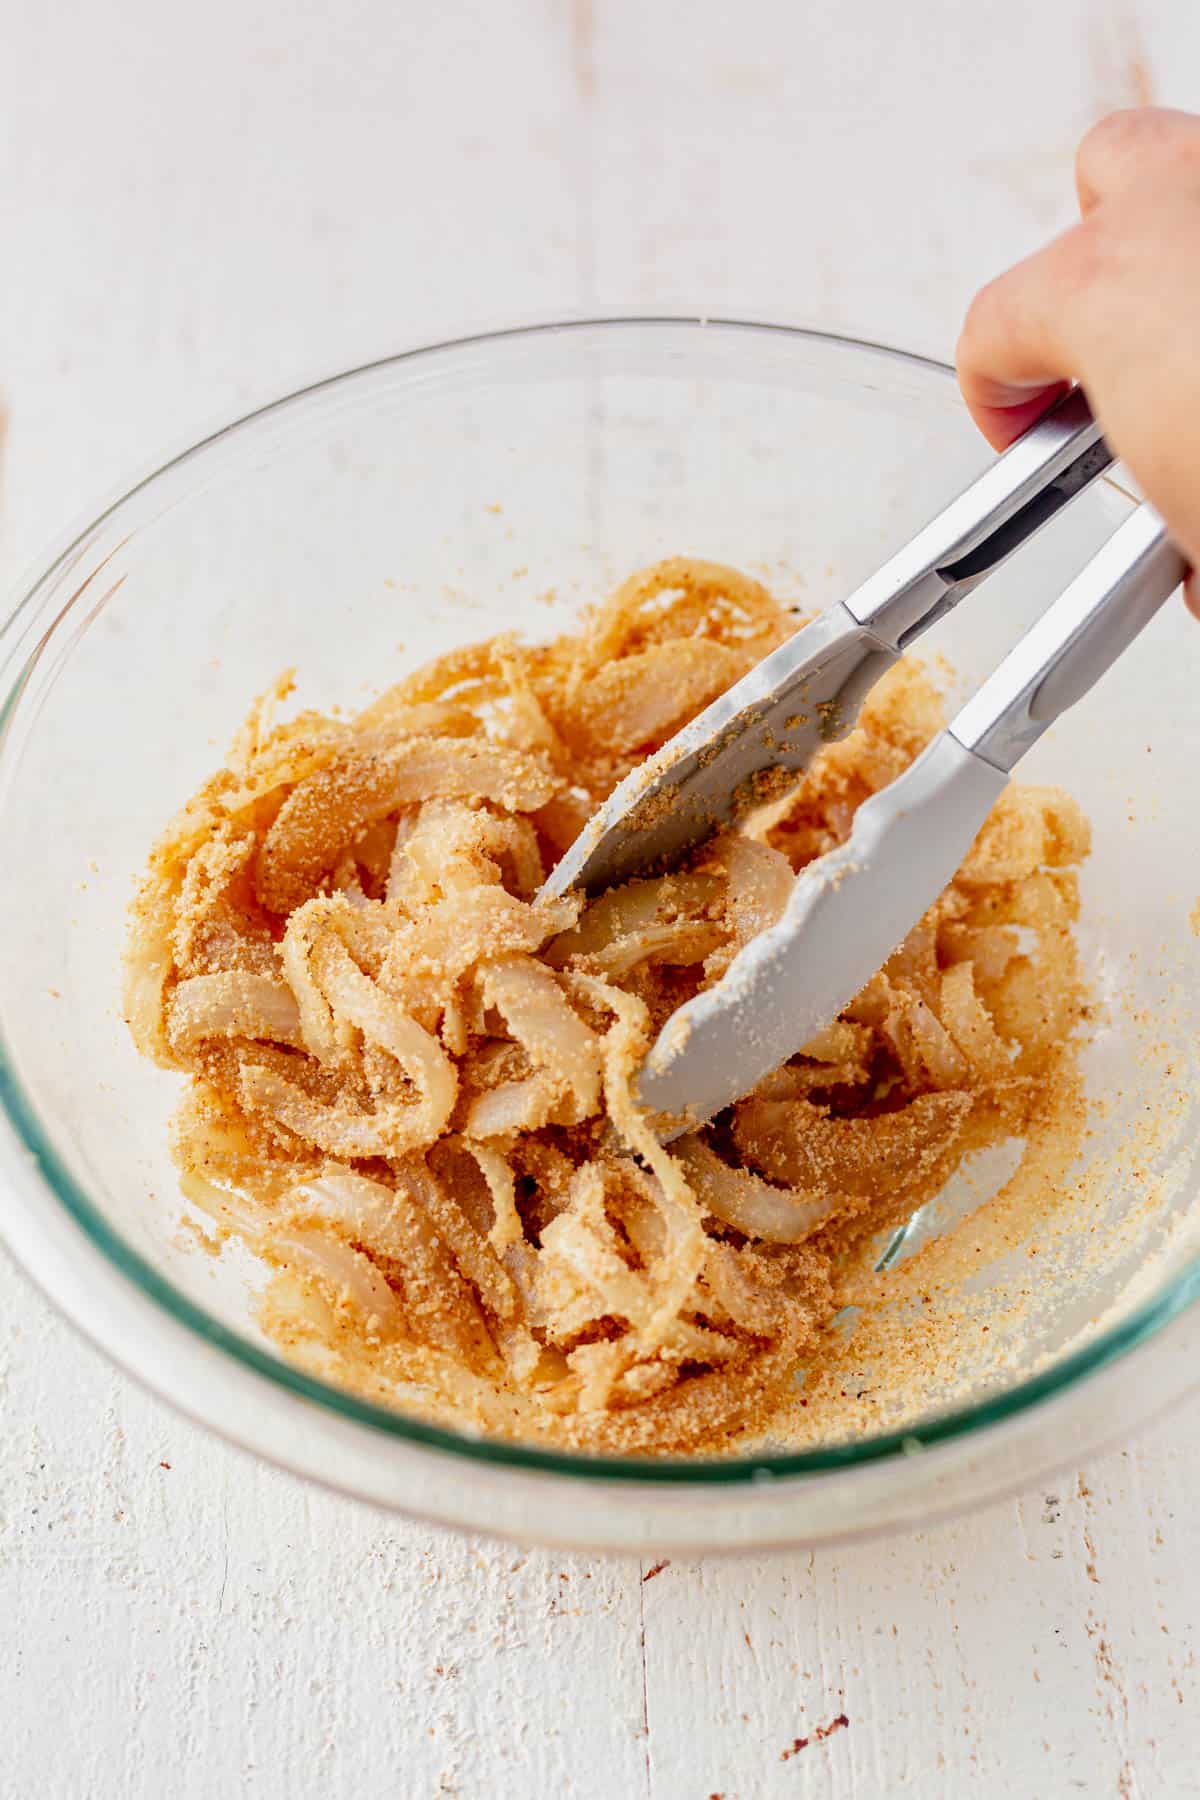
pixel 410 1080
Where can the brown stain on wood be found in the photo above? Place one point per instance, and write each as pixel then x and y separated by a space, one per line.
pixel 1140 83
pixel 1120 67
pixel 815 1737
pixel 583 47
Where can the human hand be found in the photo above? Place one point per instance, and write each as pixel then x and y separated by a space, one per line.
pixel 1113 303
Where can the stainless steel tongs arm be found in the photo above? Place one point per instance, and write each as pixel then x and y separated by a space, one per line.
pixel 1040 473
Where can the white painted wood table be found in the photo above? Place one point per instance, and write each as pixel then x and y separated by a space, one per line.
pixel 200 208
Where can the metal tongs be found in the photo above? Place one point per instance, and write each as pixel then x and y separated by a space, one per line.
pixel 852 907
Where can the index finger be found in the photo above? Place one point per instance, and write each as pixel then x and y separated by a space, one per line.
pixel 1012 356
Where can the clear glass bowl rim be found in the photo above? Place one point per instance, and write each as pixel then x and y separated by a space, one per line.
pixel 1140 1324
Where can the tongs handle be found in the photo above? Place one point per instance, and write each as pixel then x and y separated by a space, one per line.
pixel 1072 644
pixel 1014 497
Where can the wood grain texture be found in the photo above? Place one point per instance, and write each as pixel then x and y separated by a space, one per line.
pixel 199 211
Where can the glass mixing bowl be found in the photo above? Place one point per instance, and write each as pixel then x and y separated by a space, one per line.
pixel 377 518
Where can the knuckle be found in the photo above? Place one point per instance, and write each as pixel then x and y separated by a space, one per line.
pixel 1110 139
pixel 1134 136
